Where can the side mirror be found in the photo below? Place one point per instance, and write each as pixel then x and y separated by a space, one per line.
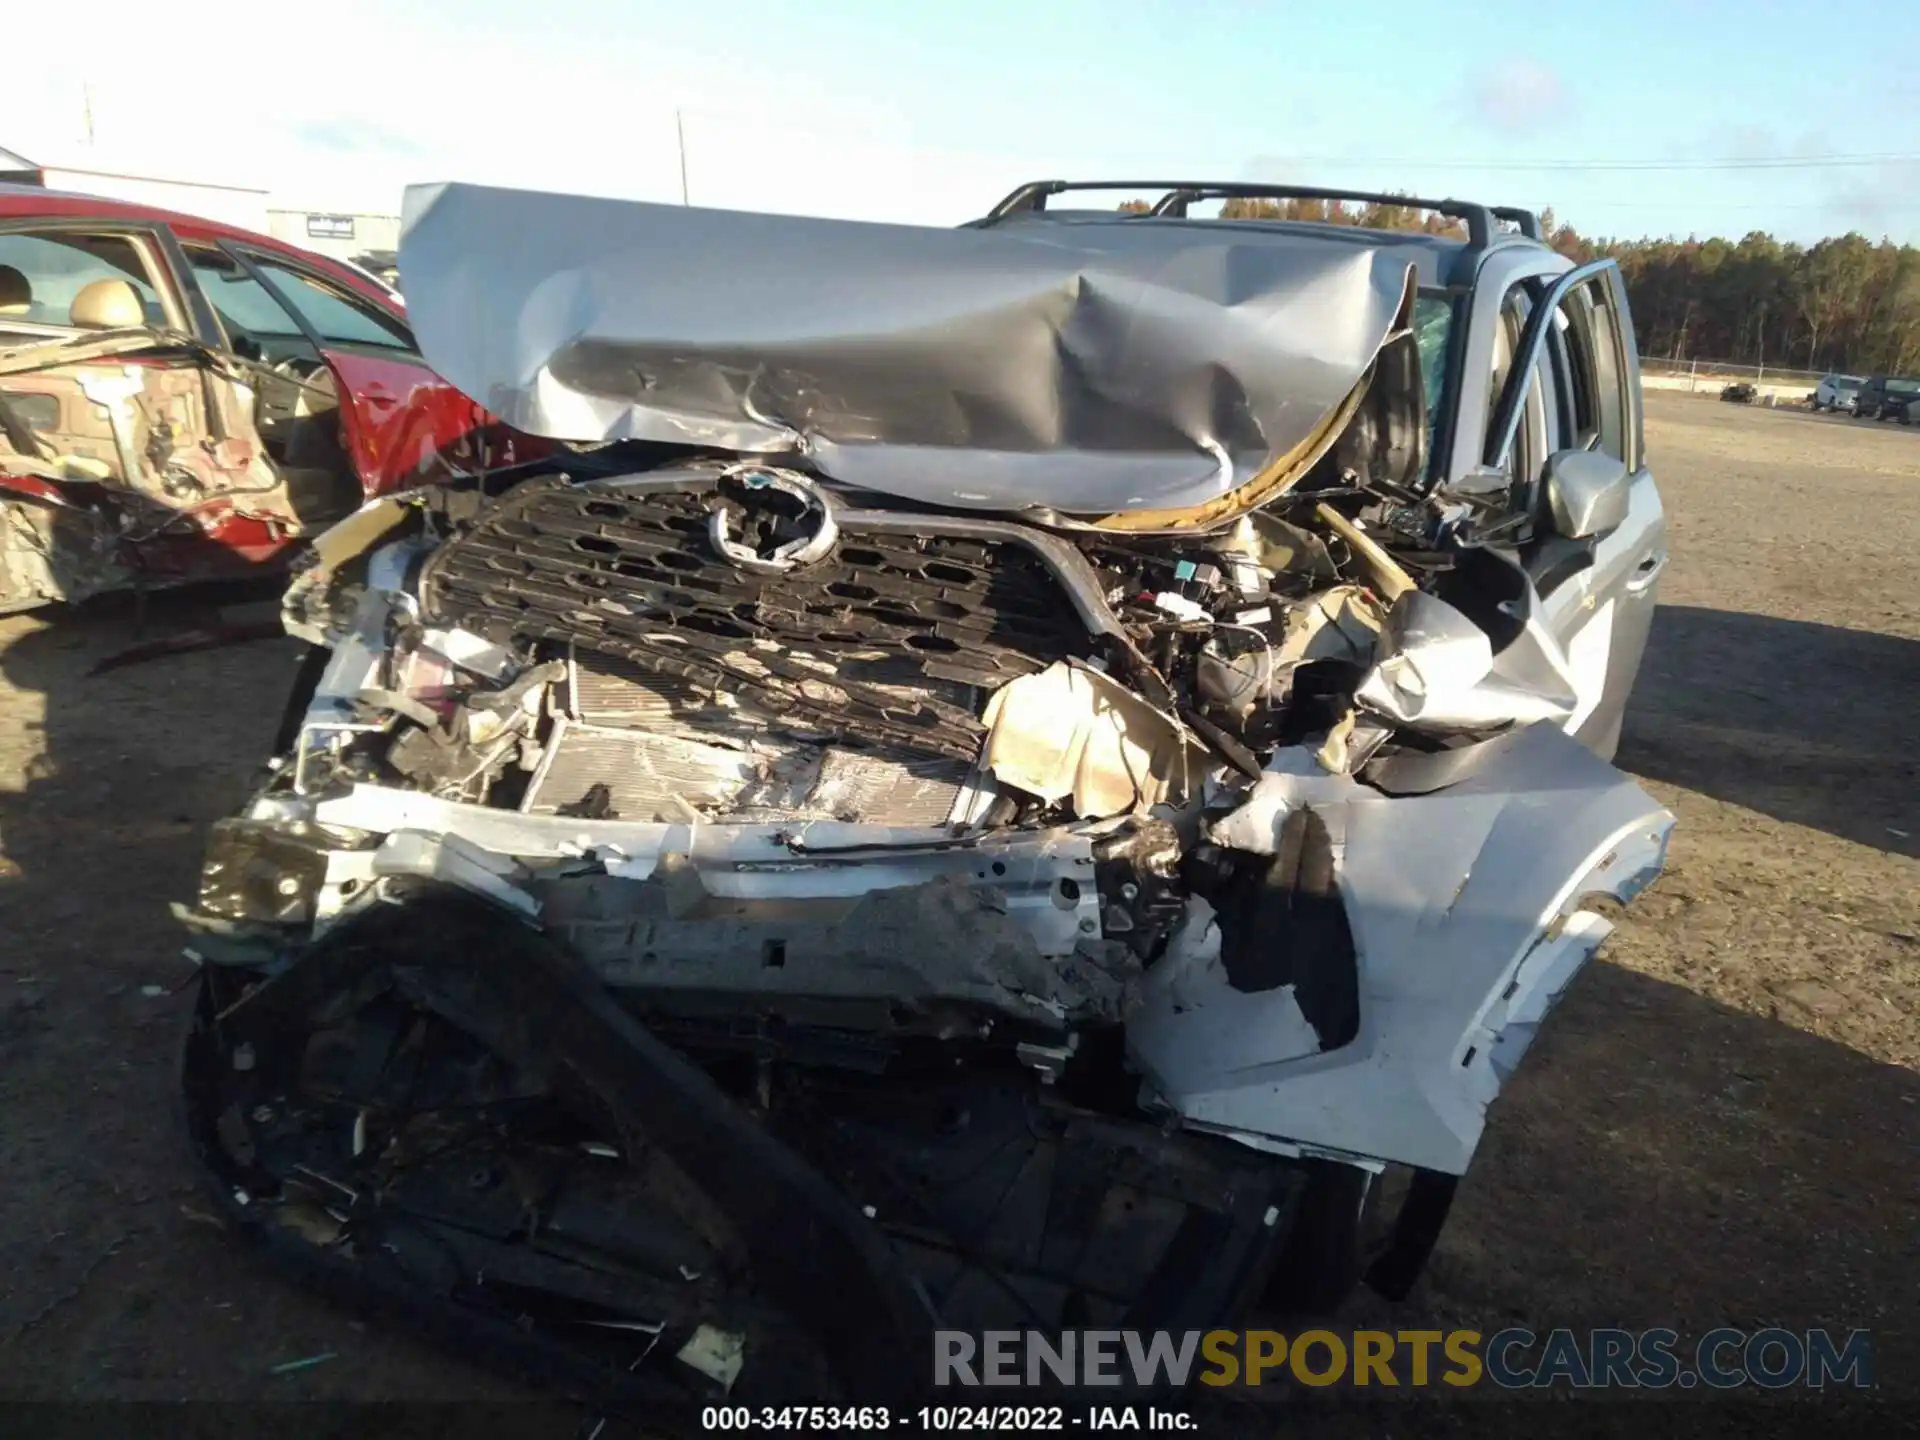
pixel 1587 493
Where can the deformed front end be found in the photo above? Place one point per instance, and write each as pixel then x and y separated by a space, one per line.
pixel 709 907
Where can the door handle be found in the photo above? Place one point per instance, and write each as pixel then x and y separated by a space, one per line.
pixel 1646 572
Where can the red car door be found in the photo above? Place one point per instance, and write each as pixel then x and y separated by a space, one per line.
pixel 405 426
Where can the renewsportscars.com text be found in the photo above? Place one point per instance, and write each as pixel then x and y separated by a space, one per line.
pixel 1508 1359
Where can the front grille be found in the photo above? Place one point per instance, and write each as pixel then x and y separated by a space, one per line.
pixel 890 639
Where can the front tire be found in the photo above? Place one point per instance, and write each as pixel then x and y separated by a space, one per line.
pixel 1322 1259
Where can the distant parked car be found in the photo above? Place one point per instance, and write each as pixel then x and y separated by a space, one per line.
pixel 1739 393
pixel 1886 397
pixel 1911 415
pixel 1836 392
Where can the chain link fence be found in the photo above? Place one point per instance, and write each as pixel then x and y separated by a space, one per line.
pixel 1698 374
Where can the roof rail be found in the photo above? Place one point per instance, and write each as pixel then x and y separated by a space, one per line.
pixel 1478 219
pixel 1528 222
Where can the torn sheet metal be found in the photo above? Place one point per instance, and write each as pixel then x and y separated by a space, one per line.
pixel 52 547
pixel 654 774
pixel 871 962
pixel 1294 778
pixel 1467 920
pixel 1351 743
pixel 456 862
pixel 717 1354
pixel 1044 877
pixel 1072 731
pixel 1393 582
pixel 1087 369
pixel 49 354
pixel 347 540
pixel 1440 673
pixel 1341 623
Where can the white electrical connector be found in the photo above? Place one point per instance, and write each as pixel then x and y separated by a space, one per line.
pixel 1180 607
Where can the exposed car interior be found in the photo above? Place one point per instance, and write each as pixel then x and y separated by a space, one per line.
pixel 107 305
pixel 16 295
pixel 179 434
pixel 297 404
pixel 42 277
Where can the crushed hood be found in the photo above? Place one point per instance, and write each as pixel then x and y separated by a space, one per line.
pixel 1088 368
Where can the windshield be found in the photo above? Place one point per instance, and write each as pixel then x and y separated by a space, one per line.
pixel 1903 387
pixel 1433 313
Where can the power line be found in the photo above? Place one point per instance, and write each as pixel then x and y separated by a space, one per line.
pixel 1891 207
pixel 1763 162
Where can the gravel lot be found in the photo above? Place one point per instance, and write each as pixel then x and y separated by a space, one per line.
pixel 1720 1126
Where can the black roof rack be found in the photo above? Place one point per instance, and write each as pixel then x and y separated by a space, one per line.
pixel 1528 222
pixel 1479 219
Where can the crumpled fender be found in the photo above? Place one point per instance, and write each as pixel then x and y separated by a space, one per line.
pixel 59 541
pixel 1466 907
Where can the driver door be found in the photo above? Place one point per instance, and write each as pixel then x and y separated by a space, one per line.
pixel 1575 384
pixel 292 393
pixel 402 424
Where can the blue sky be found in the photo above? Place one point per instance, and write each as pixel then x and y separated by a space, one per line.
pixel 888 111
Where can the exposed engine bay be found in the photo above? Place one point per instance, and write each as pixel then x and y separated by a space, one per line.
pixel 670 852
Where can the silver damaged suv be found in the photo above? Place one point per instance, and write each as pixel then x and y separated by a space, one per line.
pixel 1029 776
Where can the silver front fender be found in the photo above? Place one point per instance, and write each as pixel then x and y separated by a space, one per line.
pixel 1467 913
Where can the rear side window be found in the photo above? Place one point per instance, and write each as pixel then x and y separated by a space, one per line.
pixel 332 313
pixel 50 268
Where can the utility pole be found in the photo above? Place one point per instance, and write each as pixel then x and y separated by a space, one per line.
pixel 680 129
pixel 86 109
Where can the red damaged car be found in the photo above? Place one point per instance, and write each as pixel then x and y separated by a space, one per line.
pixel 181 400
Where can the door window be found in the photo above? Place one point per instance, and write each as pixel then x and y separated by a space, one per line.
pixel 1533 440
pixel 1581 393
pixel 257 325
pixel 330 312
pixel 1585 353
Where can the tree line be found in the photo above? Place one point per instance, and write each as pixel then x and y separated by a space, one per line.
pixel 1844 303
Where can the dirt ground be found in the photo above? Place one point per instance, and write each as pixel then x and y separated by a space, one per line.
pixel 1719 1127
